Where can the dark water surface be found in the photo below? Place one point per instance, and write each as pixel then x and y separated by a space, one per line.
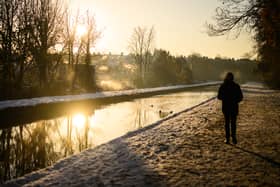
pixel 40 143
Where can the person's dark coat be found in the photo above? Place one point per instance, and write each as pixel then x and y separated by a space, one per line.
pixel 230 94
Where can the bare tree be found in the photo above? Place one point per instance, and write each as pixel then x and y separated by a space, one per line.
pixel 15 56
pixel 69 34
pixel 8 28
pixel 84 45
pixel 23 34
pixel 149 47
pixel 30 32
pixel 91 37
pixel 263 18
pixel 47 21
pixel 235 15
pixel 140 46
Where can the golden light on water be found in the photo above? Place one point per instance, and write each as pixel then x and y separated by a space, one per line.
pixel 93 120
pixel 84 128
pixel 79 120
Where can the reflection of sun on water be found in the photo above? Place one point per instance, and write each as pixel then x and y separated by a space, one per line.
pixel 79 120
pixel 93 120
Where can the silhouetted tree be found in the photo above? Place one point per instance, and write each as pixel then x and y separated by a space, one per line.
pixel 84 45
pixel 35 37
pixel 15 33
pixel 23 34
pixel 8 30
pixel 268 41
pixel 47 18
pixel 260 17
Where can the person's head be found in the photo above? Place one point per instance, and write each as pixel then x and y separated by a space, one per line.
pixel 229 77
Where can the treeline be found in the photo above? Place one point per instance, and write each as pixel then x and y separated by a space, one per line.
pixel 37 37
pixel 165 69
pixel 205 69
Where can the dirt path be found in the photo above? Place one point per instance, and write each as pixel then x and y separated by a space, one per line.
pixel 187 150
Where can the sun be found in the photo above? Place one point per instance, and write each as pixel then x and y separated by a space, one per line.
pixel 81 30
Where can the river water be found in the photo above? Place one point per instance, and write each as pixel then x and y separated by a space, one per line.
pixel 38 144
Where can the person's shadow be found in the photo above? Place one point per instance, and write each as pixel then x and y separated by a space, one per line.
pixel 271 161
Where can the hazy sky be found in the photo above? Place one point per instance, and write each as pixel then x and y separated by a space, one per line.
pixel 179 26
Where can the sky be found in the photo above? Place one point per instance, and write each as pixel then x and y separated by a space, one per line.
pixel 179 26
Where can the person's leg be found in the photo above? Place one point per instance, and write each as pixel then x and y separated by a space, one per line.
pixel 233 129
pixel 227 128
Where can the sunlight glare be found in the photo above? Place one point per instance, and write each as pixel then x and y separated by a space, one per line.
pixel 111 84
pixel 75 50
pixel 81 30
pixel 58 47
pixel 93 120
pixel 79 120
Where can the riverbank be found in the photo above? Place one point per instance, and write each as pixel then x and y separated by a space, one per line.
pixel 104 96
pixel 186 150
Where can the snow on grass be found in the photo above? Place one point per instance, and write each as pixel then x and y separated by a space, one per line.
pixel 110 94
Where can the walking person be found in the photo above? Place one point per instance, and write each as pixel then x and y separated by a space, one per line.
pixel 230 94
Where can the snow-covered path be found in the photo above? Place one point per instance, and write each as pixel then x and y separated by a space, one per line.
pixel 184 150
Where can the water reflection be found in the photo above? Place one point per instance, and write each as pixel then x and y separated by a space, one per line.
pixel 79 120
pixel 26 148
pixel 29 147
